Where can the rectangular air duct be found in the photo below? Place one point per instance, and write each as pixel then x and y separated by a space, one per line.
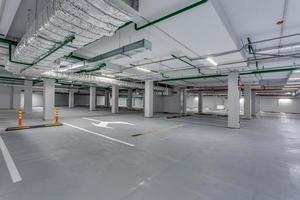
pixel 85 20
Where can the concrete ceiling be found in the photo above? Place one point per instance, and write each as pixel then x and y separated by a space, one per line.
pixel 214 27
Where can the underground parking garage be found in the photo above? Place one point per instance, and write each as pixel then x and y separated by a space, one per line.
pixel 131 99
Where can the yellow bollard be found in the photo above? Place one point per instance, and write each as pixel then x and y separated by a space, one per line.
pixel 56 116
pixel 20 118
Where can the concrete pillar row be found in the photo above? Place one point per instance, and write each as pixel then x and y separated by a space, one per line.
pixel 149 98
pixel 71 98
pixel 49 99
pixel 28 96
pixel 200 102
pixel 92 98
pixel 129 99
pixel 233 100
pixel 115 99
pixel 247 102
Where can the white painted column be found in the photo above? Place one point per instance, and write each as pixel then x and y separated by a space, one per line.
pixel 27 96
pixel 233 100
pixel 257 107
pixel 129 99
pixel 253 103
pixel 71 98
pixel 115 99
pixel 92 98
pixel 16 97
pixel 49 99
pixel 200 102
pixel 106 99
pixel 183 97
pixel 247 102
pixel 11 97
pixel 148 98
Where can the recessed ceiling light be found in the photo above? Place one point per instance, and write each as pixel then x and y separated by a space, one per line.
pixel 108 75
pixel 209 59
pixel 142 69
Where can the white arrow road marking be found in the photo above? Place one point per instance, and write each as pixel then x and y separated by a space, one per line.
pixel 98 134
pixel 103 124
pixel 13 171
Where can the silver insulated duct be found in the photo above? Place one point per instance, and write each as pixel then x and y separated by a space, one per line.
pixel 63 27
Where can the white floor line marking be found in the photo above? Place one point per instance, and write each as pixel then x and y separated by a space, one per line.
pixel 98 134
pixel 13 171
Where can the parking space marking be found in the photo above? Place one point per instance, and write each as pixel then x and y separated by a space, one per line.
pixel 98 134
pixel 13 171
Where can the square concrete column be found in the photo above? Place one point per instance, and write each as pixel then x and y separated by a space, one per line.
pixel 200 102
pixel 71 98
pixel 92 98
pixel 129 99
pixel 115 99
pixel 247 102
pixel 27 96
pixel 183 97
pixel 106 99
pixel 233 100
pixel 148 106
pixel 49 99
pixel 16 98
pixel 253 103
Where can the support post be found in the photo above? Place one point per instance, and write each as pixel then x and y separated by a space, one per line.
pixel 200 102
pixel 233 100
pixel 106 99
pixel 183 97
pixel 129 99
pixel 253 103
pixel 115 99
pixel 92 98
pixel 247 102
pixel 49 99
pixel 71 98
pixel 27 96
pixel 148 99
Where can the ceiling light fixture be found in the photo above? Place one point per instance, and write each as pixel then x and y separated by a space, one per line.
pixel 108 75
pixel 209 59
pixel 142 69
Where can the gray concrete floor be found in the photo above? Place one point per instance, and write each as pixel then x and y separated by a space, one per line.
pixel 186 158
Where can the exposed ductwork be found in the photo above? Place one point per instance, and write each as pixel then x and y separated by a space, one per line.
pixel 100 81
pixel 63 27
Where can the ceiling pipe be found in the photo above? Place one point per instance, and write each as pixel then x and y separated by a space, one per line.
pixel 137 28
pixel 263 71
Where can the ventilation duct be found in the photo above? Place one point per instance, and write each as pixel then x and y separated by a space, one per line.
pixel 125 51
pixel 100 81
pixel 48 39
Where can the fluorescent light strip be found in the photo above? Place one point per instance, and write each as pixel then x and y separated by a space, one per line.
pixel 211 61
pixel 142 69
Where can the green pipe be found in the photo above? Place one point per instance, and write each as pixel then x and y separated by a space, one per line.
pixel 93 70
pixel 71 56
pixel 51 51
pixel 9 42
pixel 170 15
pixel 274 70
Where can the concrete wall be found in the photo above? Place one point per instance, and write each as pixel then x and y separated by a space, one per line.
pixel 37 99
pixel 5 97
pixel 280 104
pixel 168 103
